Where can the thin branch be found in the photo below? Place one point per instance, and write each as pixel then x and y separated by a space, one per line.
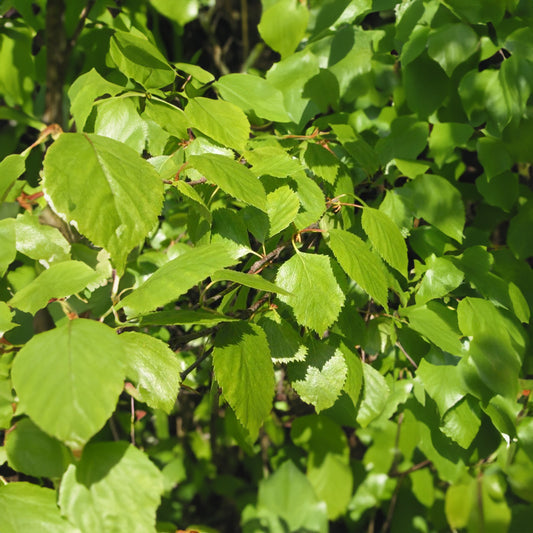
pixel 260 264
pixel 407 356
pixel 196 364
pixel 81 24
pixel 185 339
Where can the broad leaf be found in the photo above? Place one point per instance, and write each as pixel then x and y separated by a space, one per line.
pixel 114 487
pixel 285 344
pixel 59 281
pixel 440 278
pixel 360 264
pixel 316 298
pixel 321 162
pixel 282 207
pixel 461 423
pixel 231 177
pixel 28 507
pixel 69 379
pixel 184 317
pixel 105 189
pixel 39 241
pixel 177 276
pixel 438 324
pixel 154 368
pixel 253 94
pixel 375 396
pixel 223 121
pixel 436 200
pixel 33 452
pixel 8 250
pixel 243 368
pixel 171 118
pixel 6 316
pixel 386 238
pixel 137 58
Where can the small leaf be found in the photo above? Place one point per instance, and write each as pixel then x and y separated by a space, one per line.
pixel 82 93
pixel 60 280
pixel 386 238
pixel 11 167
pixel 253 94
pixel 223 121
pixel 72 391
pixel 461 423
pixel 114 487
pixel 137 58
pixel 322 386
pixel 231 177
pixel 6 316
pixel 321 162
pixel 283 25
pixel 243 368
pixel 104 188
pixel 375 396
pixel 154 368
pixel 282 207
pixel 316 298
pixel 177 276
pixel 8 239
pixel 360 264
pixel 440 278
pixel 171 118
pixel 285 344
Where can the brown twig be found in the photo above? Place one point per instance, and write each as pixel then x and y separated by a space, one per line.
pixel 196 364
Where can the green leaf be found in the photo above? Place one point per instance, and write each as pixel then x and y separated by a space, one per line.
pixel 321 162
pixel 255 281
pixel 288 495
pixel 11 167
pixel 118 118
pixel 461 423
pixel 283 25
pixel 27 507
pixel 137 58
pixel 311 199
pixel 328 460
pixel 6 316
pixel 39 241
pixel 438 324
pixel 407 139
pixel 440 278
pixel 114 487
pixel 154 368
pixel 231 177
pixel 183 317
pixel 104 188
pixel 59 281
pixel 72 391
pixel 282 207
pixel 442 383
pixel 177 276
pixel 243 368
pixel 452 44
pixel 223 121
pixel 285 344
pixel 374 398
pixel 33 452
pixel 360 264
pixel 445 137
pixel 171 118
pixel 322 386
pixel 253 94
pixel 181 12
pixel 272 161
pixel 494 156
pixel 82 93
pixel 316 298
pixel 386 238
pixel 8 250
pixel 426 85
pixel 477 11
pixel 437 201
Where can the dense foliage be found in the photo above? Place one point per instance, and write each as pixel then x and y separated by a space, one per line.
pixel 266 268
